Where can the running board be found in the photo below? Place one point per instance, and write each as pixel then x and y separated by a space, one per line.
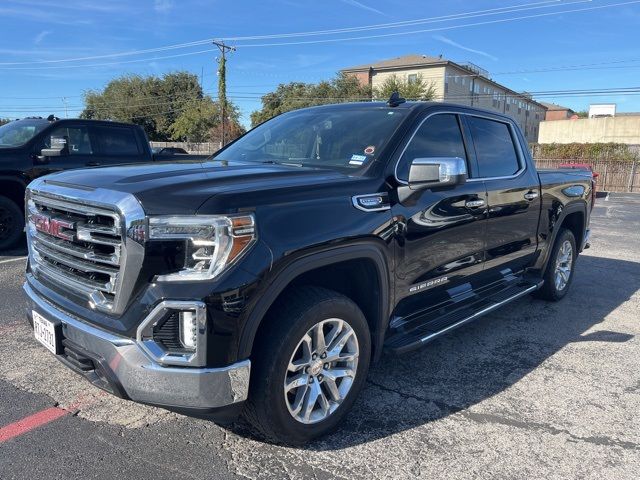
pixel 407 341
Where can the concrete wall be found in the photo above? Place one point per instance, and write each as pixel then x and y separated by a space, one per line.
pixel 624 129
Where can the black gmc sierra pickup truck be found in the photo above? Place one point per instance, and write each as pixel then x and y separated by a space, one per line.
pixel 265 280
pixel 32 147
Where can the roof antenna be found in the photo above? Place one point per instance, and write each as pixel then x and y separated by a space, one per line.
pixel 395 99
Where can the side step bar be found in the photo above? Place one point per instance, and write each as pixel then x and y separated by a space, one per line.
pixel 404 342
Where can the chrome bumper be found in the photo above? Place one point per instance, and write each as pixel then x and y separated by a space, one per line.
pixel 141 379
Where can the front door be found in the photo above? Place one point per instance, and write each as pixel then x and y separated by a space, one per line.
pixel 441 245
pixel 79 150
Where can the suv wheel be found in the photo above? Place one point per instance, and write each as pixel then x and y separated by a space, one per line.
pixel 11 223
pixel 559 272
pixel 309 368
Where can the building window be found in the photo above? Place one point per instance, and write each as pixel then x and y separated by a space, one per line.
pixel 412 78
pixel 464 81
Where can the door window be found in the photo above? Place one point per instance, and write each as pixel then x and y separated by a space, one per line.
pixel 495 150
pixel 117 141
pixel 438 136
pixel 77 139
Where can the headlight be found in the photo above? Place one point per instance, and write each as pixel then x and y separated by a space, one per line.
pixel 212 243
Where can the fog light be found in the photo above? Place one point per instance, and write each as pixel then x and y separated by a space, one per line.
pixel 188 329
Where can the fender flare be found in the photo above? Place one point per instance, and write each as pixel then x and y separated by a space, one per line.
pixel 283 278
pixel 577 206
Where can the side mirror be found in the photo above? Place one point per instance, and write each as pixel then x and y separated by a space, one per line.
pixel 52 152
pixel 437 172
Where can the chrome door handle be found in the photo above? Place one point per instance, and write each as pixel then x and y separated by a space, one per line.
pixel 530 196
pixel 475 203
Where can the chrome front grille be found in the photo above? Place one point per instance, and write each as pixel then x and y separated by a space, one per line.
pixel 79 243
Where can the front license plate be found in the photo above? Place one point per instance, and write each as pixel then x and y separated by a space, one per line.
pixel 45 332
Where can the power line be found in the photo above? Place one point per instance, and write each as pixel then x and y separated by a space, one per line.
pixel 518 97
pixel 492 11
pixel 395 34
pixel 305 42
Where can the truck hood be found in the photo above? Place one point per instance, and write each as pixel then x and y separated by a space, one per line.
pixel 182 188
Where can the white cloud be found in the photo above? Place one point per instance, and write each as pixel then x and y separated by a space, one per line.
pixel 448 41
pixel 38 38
pixel 355 3
pixel 162 6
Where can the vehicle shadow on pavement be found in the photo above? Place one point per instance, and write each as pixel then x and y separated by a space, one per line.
pixel 484 358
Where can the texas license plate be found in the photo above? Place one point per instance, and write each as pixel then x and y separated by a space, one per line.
pixel 45 332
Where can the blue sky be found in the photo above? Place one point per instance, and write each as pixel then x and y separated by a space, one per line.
pixel 35 34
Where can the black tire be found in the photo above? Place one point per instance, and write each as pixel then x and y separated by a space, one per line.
pixel 550 290
pixel 289 321
pixel 11 223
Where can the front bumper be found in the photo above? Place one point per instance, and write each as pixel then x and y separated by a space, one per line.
pixel 119 364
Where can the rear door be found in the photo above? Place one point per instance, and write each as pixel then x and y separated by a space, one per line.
pixel 441 246
pixel 513 191
pixel 116 144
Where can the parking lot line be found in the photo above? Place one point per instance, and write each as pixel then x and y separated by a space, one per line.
pixel 31 422
pixel 12 260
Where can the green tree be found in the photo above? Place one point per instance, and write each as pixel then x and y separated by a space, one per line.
pixel 290 96
pixel 152 102
pixel 583 114
pixel 200 121
pixel 414 90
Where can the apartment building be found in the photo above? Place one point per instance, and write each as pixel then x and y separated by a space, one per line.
pixel 466 84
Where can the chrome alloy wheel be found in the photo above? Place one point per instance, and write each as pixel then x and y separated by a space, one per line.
pixel 321 370
pixel 563 265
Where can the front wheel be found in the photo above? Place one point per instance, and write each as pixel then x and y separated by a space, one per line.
pixel 559 273
pixel 309 367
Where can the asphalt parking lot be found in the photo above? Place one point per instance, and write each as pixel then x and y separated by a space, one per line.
pixel 535 390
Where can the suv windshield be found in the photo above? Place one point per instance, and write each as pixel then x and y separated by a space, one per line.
pixel 338 138
pixel 19 132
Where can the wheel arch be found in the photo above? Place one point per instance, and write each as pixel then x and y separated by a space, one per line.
pixel 362 259
pixel 574 217
pixel 13 188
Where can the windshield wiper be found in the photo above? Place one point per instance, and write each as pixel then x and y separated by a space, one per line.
pixel 273 162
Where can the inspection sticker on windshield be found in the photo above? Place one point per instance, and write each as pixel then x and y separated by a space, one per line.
pixel 357 159
pixel 370 150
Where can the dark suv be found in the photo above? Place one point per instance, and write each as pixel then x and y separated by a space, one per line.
pixel 267 279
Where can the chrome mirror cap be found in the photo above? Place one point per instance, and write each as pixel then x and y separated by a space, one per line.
pixel 437 172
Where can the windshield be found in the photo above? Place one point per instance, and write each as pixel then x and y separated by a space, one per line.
pixel 19 132
pixel 339 139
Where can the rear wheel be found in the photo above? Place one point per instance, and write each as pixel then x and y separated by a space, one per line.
pixel 11 223
pixel 559 272
pixel 309 368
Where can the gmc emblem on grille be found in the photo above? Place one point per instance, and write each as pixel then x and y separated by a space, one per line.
pixel 53 226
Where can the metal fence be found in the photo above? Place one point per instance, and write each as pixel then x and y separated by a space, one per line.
pixel 191 147
pixel 613 176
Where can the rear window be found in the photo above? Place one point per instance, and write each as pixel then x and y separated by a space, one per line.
pixel 494 146
pixel 117 141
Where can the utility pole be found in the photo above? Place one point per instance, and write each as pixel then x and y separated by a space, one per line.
pixel 222 84
pixel 66 111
